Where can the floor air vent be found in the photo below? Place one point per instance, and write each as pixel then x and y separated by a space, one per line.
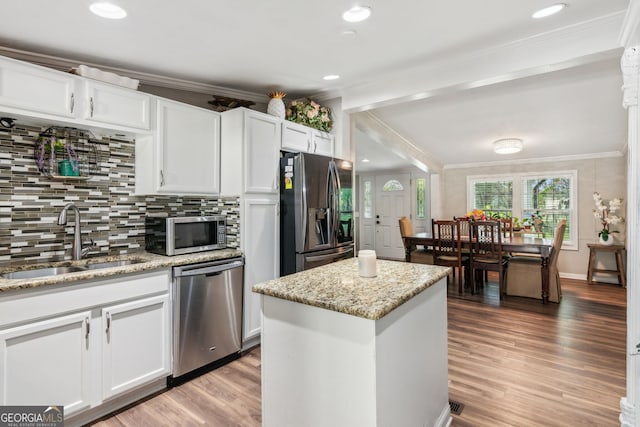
pixel 456 407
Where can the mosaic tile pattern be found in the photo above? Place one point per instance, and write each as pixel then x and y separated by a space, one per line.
pixel 111 214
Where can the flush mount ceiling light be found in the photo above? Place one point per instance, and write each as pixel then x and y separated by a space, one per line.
pixel 365 160
pixel 548 11
pixel 357 14
pixel 331 77
pixel 507 146
pixel 108 10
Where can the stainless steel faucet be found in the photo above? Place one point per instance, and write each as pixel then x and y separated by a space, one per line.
pixel 78 250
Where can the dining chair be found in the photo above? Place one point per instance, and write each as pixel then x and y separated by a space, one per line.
pixel 421 255
pixel 447 249
pixel 487 254
pixel 507 227
pixel 524 279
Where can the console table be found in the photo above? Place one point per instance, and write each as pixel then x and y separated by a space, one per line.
pixel 617 250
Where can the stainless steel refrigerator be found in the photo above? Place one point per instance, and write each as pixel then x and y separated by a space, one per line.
pixel 316 211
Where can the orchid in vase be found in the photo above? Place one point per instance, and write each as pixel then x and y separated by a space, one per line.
pixel 606 215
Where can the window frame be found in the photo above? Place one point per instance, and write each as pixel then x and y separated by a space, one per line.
pixel 517 182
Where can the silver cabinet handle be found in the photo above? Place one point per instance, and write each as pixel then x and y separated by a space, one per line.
pixel 315 147
pixel 308 145
pixel 73 101
pixel 87 324
pixel 91 105
pixel 161 178
pixel 108 322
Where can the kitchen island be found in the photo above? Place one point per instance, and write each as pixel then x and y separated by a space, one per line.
pixel 342 350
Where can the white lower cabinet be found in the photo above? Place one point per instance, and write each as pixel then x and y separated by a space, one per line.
pixel 48 363
pixel 135 344
pixel 115 340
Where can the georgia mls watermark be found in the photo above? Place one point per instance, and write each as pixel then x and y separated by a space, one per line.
pixel 32 416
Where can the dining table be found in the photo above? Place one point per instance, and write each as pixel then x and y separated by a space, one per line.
pixel 521 243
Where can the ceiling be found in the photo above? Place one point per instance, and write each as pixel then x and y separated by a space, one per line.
pixel 445 78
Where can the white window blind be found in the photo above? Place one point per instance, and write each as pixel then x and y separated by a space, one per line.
pixel 552 195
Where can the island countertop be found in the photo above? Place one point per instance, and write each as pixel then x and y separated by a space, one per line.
pixel 339 287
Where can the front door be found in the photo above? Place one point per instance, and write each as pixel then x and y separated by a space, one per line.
pixel 392 202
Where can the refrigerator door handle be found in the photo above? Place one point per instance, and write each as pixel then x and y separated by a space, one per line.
pixel 300 167
pixel 333 173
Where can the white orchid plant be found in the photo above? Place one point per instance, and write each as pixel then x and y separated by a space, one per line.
pixel 606 214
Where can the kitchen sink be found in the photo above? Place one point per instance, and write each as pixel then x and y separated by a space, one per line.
pixel 111 264
pixel 41 272
pixel 54 271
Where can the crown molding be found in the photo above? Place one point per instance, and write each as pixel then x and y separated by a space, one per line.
pixel 630 31
pixel 65 64
pixel 573 157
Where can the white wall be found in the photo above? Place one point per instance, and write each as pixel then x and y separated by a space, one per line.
pixel 604 175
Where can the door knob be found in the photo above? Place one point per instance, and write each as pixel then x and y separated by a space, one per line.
pixel 377 216
pixel 377 222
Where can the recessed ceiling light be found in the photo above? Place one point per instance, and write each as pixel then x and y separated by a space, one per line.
pixel 349 33
pixel 548 11
pixel 108 10
pixel 331 77
pixel 365 160
pixel 357 14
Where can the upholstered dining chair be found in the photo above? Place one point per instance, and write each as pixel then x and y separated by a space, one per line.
pixel 524 278
pixel 486 253
pixel 421 255
pixel 447 249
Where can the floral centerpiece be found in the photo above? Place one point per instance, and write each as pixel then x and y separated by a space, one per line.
pixel 477 215
pixel 606 215
pixel 310 113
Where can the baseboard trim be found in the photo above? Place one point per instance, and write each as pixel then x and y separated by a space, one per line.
pixel 575 276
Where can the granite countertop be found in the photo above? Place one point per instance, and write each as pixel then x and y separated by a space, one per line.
pixel 338 286
pixel 144 261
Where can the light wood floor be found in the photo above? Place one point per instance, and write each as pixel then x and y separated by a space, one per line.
pixel 511 363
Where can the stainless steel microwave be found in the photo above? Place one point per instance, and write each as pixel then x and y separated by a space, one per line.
pixel 166 235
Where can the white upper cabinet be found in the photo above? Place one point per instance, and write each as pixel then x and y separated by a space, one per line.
pixel 37 89
pixel 188 149
pixel 28 90
pixel 114 105
pixel 322 142
pixel 301 138
pixel 296 137
pixel 251 149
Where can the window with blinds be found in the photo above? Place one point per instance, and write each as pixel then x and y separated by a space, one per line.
pixel 551 195
pixel 548 197
pixel 493 194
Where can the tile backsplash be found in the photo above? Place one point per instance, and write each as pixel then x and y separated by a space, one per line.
pixel 110 213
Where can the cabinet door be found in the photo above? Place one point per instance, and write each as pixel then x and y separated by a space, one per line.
pixel 47 363
pixel 322 143
pixel 261 152
pixel 188 149
pixel 296 137
pixel 113 105
pixel 135 344
pixel 260 244
pixel 36 89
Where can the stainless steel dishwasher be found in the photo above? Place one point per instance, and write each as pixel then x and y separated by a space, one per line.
pixel 207 318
